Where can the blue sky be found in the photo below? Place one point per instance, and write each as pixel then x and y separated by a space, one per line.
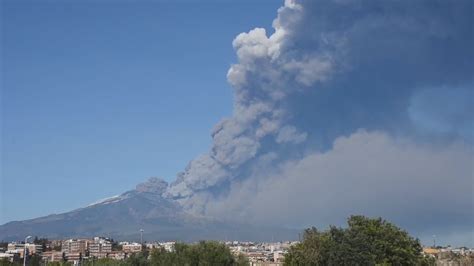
pixel 98 96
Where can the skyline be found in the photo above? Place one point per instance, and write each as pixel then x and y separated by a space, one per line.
pixel 366 111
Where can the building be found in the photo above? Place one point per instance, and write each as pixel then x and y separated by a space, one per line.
pixel 52 256
pixel 152 245
pixel 131 247
pixel 75 249
pixel 9 256
pixel 20 248
pixel 168 246
pixel 279 256
pixel 100 247
pixel 72 246
pixel 431 251
pixel 55 244
pixel 117 255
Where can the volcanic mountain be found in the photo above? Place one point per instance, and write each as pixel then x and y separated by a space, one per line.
pixel 145 207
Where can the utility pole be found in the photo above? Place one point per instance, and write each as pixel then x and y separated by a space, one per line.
pixel 24 250
pixel 141 236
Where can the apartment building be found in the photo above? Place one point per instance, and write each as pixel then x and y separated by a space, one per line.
pixel 72 246
pixel 100 247
pixel 20 248
pixel 131 247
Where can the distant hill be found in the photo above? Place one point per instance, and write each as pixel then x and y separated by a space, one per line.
pixel 122 217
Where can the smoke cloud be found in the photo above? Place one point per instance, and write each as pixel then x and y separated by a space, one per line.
pixel 425 189
pixel 334 113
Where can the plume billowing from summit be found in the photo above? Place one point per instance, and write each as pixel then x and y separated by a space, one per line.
pixel 260 81
pixel 344 107
pixel 337 76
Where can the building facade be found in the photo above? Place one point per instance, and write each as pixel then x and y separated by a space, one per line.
pixel 131 247
pixel 20 248
pixel 100 247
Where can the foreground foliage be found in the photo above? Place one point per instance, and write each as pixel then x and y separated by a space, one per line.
pixel 364 242
pixel 202 253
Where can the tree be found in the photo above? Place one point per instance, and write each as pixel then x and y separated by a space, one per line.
pixel 160 256
pixel 364 242
pixel 116 246
pixel 3 245
pixel 44 242
pixel 140 259
pixel 34 260
pixel 242 260
pixel 57 263
pixel 202 253
pixel 5 262
pixel 211 253
pixel 103 262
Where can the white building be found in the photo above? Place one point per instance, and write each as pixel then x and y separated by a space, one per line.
pixel 168 246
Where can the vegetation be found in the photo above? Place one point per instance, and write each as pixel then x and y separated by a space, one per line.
pixel 5 262
pixel 203 253
pixel 364 242
pixel 116 246
pixel 33 260
pixel 43 242
pixel 56 263
pixel 103 262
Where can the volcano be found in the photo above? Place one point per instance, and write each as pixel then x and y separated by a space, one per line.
pixel 121 217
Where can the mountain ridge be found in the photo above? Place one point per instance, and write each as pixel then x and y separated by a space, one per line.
pixel 121 217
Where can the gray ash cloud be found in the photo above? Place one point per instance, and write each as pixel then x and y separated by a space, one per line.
pixel 329 71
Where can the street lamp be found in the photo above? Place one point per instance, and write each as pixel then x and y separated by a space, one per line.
pixel 24 250
pixel 141 236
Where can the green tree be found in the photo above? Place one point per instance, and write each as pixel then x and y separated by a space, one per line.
pixel 364 242
pixel 160 256
pixel 5 262
pixel 57 263
pixel 64 258
pixel 202 253
pixel 44 242
pixel 242 260
pixel 102 262
pixel 211 253
pixel 139 259
pixel 34 260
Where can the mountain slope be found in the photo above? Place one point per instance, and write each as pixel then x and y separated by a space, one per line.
pixel 122 217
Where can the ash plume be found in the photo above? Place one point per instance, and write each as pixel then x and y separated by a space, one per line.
pixel 259 81
pixel 329 71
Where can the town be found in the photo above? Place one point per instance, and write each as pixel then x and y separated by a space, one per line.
pixel 78 251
